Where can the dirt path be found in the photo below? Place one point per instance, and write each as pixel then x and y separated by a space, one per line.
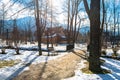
pixel 53 70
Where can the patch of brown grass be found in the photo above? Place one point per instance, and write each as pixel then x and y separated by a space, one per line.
pixel 52 70
pixel 87 71
pixel 4 63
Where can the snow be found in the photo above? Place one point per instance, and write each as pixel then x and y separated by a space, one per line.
pixel 60 47
pixel 109 52
pixel 110 64
pixel 82 46
pixel 31 57
pixel 118 53
pixel 79 75
pixel 25 59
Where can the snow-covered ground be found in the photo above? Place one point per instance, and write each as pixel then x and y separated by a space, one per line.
pixel 25 59
pixel 82 46
pixel 110 64
pixel 118 53
pixel 109 52
pixel 31 57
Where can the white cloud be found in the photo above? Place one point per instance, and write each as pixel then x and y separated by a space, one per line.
pixel 12 9
pixel 57 8
pixel 57 5
pixel 84 17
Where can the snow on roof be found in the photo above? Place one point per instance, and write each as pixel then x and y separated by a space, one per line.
pixel 50 36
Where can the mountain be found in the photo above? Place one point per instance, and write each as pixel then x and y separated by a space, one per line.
pixel 24 22
pixel 84 29
pixel 21 23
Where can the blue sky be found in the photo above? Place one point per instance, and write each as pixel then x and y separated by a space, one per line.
pixel 58 4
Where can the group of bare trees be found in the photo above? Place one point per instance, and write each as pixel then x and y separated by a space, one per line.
pixel 2 18
pixel 44 16
pixel 96 29
pixel 73 21
pixel 9 29
pixel 111 22
pixel 43 13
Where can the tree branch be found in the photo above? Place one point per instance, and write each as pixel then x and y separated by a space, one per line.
pixel 86 7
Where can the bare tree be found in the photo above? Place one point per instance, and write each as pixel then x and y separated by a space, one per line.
pixel 51 23
pixel 40 21
pixel 2 21
pixel 94 16
pixel 102 23
pixel 114 12
pixel 118 25
pixel 73 20
pixel 15 36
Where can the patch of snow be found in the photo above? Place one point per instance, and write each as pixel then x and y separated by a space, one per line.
pixel 109 52
pixel 81 46
pixel 118 53
pixel 110 64
pixel 31 57
pixel 24 60
pixel 60 48
pixel 79 75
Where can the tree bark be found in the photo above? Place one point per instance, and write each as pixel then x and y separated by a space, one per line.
pixel 86 7
pixel 102 25
pixel 38 27
pixel 94 58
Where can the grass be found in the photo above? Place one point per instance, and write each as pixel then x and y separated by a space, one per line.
pixel 87 71
pixel 102 61
pixel 60 68
pixel 103 52
pixel 4 63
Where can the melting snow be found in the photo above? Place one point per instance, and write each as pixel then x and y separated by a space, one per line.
pixel 31 57
pixel 25 59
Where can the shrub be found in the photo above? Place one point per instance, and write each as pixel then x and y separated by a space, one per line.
pixel 103 52
pixel 3 51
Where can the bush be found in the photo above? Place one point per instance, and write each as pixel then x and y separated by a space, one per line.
pixel 115 52
pixel 103 53
pixel 102 61
pixel 70 46
pixel 3 51
pixel 17 51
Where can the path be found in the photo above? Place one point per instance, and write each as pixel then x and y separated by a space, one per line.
pixel 52 70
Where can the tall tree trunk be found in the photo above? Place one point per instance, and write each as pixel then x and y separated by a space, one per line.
pixel 102 25
pixel 94 58
pixel 51 25
pixel 68 25
pixel 39 46
pixel 114 12
pixel 38 27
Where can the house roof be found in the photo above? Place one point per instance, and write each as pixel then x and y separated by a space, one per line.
pixel 54 32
